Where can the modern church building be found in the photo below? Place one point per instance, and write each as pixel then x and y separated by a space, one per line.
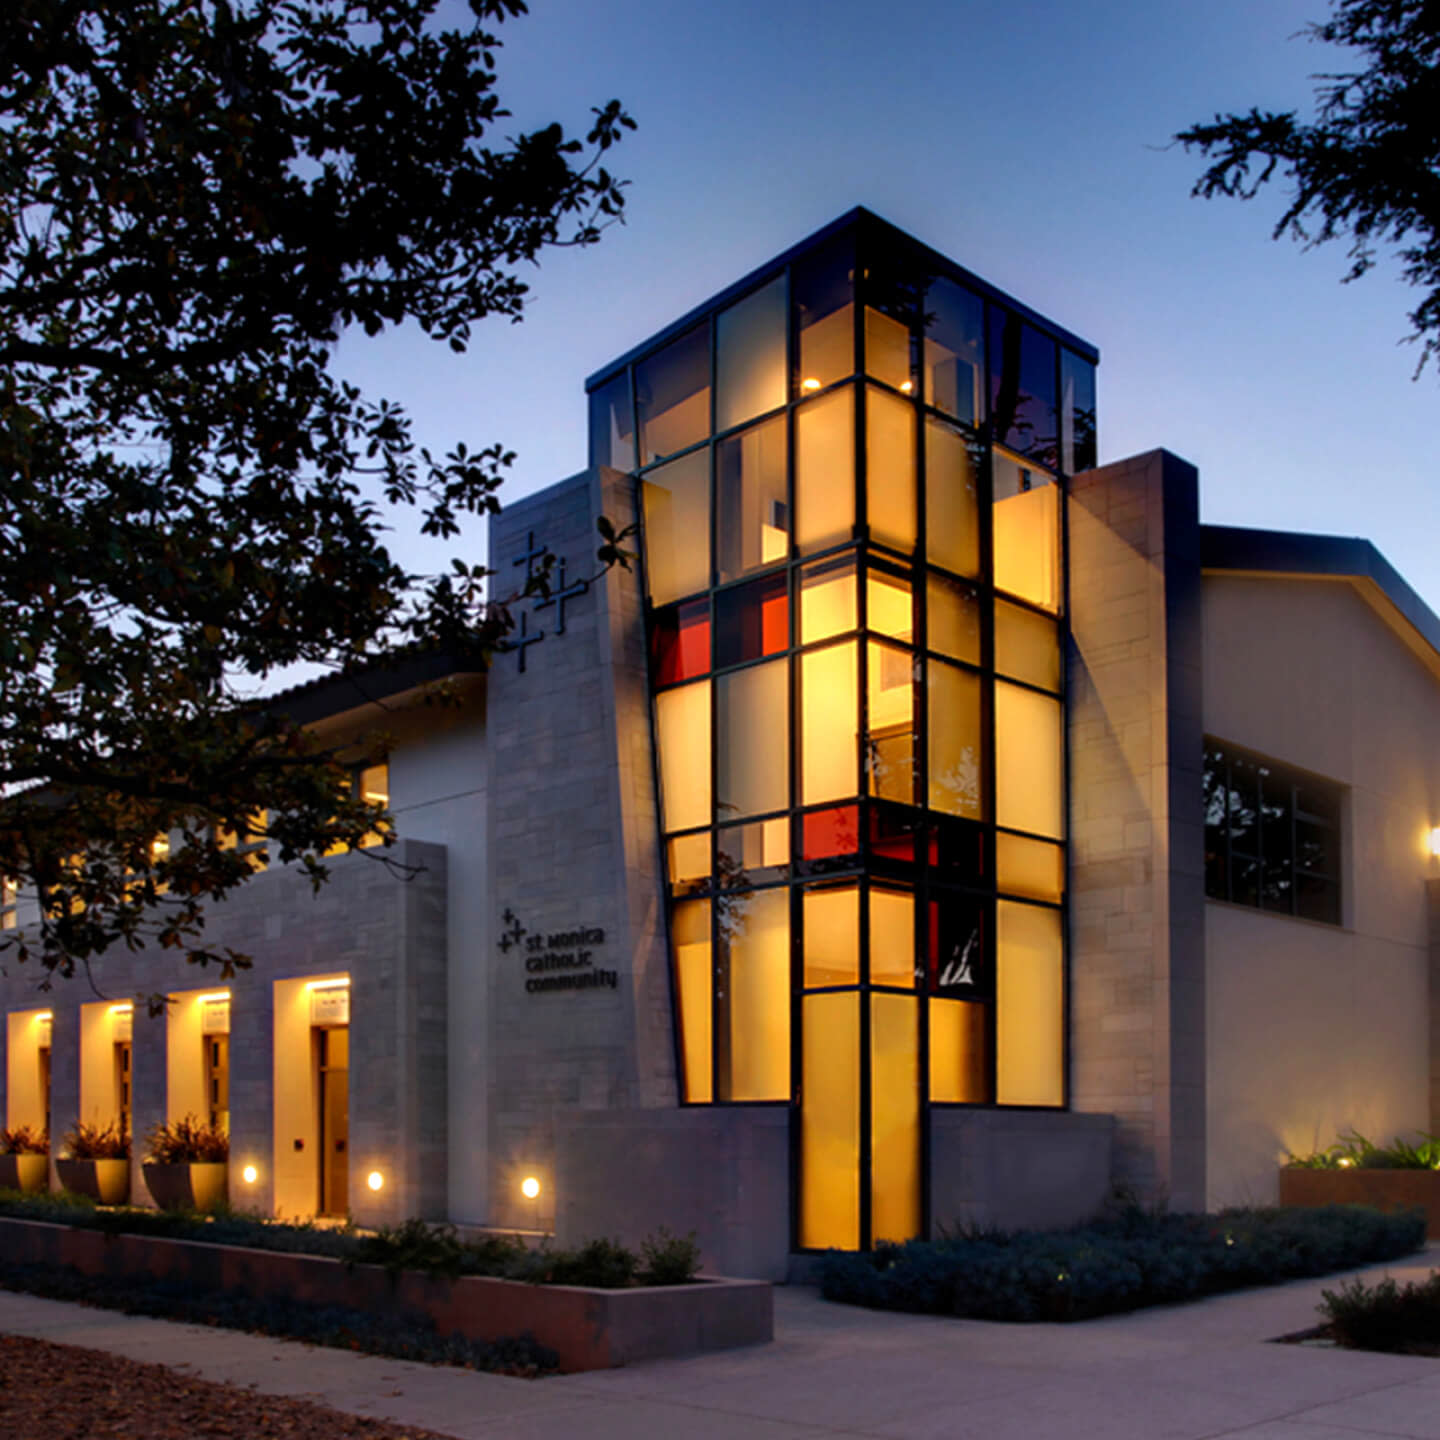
pixel 931 826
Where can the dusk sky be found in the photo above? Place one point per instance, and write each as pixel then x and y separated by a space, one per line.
pixel 1028 141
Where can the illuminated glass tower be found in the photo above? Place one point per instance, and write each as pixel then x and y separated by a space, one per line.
pixel 851 469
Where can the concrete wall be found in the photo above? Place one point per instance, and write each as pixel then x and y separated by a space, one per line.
pixel 1017 1169
pixel 574 841
pixel 1317 1028
pixel 1138 1018
pixel 722 1171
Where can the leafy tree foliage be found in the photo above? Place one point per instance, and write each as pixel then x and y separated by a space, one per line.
pixel 1368 166
pixel 197 198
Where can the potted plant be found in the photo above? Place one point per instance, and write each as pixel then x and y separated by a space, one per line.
pixel 24 1159
pixel 185 1165
pixel 1354 1171
pixel 95 1161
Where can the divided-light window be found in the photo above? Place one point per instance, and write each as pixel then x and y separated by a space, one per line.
pixel 1272 835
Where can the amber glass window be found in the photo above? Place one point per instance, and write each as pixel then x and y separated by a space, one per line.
pixel 892 937
pixel 752 513
pixel 890 469
pixel 823 294
pixel 677 527
pixel 825 470
pixel 959 1052
pixel 952 498
pixel 1022 388
pixel 954 618
pixel 683 737
pixel 828 599
pixel 750 356
pixel 1027 645
pixel 1032 868
pixel 830 1121
pixel 829 730
pixel 688 860
pixel 612 424
pixel 1029 761
pixel 956 748
pixel 690 930
pixel 894 1117
pixel 890 697
pixel 832 935
pixel 1029 1005
pixel 889 603
pixel 752 997
pixel 757 853
pixel 752 741
pixel 954 349
pixel 672 396
pixel 1025 516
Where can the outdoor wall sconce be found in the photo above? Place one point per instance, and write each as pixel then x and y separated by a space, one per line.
pixel 530 1187
pixel 249 1174
pixel 375 1180
pixel 1435 841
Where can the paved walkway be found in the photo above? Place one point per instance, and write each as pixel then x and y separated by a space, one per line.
pixel 1174 1374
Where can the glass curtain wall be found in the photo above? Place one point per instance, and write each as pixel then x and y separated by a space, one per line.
pixel 850 487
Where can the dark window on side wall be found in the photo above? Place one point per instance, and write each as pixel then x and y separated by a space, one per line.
pixel 1272 835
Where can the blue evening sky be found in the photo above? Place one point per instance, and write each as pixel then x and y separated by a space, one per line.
pixel 1026 139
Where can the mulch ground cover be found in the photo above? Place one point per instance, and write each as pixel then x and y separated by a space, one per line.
pixel 59 1392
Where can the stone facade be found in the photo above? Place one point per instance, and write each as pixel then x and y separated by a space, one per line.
pixel 1137 949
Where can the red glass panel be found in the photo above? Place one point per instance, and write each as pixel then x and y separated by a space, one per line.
pixel 775 623
pixel 892 834
pixel 680 641
pixel 828 833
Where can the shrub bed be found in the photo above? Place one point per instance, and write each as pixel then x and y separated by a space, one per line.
pixel 1403 1320
pixel 1120 1263
pixel 402 1336
pixel 415 1245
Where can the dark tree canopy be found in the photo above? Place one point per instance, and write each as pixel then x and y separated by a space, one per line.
pixel 196 199
pixel 1368 166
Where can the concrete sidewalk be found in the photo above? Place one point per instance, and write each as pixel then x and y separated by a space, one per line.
pixel 1186 1372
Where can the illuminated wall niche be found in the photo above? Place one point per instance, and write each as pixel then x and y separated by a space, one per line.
pixel 850 474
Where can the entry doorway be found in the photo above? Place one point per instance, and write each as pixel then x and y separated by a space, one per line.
pixel 333 1093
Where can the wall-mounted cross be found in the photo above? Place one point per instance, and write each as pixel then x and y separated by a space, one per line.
pixel 524 639
pixel 558 598
pixel 531 555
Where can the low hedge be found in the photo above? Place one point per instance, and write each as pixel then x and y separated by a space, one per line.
pixel 1403 1320
pixel 396 1334
pixel 1120 1263
pixel 415 1245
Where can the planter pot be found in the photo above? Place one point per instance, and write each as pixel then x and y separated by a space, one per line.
pixel 199 1185
pixel 25 1172
pixel 1382 1189
pixel 106 1181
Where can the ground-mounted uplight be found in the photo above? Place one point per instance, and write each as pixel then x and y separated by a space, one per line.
pixel 530 1188
pixel 1345 1162
pixel 375 1180
pixel 249 1174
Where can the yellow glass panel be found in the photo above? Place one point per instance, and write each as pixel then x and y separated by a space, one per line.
pixel 953 619
pixel 889 609
pixel 830 1122
pixel 1027 646
pixel 892 937
pixel 1030 1006
pixel 753 1018
pixel 890 752
pixel 689 861
pixel 682 721
pixel 825 470
pixel 1032 868
pixel 956 747
pixel 1026 523
pixel 952 503
pixel 887 350
pixel 752 740
pixel 750 356
pixel 828 724
pixel 827 599
pixel 691 926
pixel 827 349
pixel 890 469
pixel 1029 763
pixel 894 1118
pixel 832 936
pixel 957 1052
pixel 677 527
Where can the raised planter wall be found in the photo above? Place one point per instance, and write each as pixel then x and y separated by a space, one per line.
pixel 1384 1189
pixel 589 1329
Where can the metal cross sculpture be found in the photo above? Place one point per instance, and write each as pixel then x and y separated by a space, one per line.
pixel 524 639
pixel 558 598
